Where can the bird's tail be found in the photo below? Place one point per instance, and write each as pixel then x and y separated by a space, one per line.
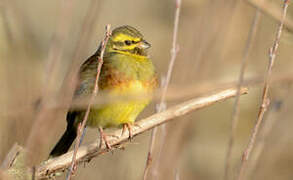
pixel 67 138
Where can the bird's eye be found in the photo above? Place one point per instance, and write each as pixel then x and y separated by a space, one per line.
pixel 127 42
pixel 133 42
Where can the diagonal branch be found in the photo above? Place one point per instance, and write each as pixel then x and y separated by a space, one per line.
pixel 86 153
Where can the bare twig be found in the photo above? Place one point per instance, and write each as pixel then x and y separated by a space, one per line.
pixel 95 91
pixel 270 9
pixel 162 105
pixel 278 110
pixel 73 162
pixel 85 153
pixel 235 112
pixel 265 99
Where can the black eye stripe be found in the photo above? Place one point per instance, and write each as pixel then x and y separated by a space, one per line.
pixel 127 42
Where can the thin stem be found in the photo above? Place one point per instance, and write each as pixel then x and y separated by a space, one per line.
pixel 235 112
pixel 162 105
pixel 95 91
pixel 265 99
pixel 73 164
pixel 269 8
pixel 275 112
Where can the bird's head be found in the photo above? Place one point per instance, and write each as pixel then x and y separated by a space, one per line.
pixel 127 40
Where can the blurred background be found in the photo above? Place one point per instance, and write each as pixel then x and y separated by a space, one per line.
pixel 43 43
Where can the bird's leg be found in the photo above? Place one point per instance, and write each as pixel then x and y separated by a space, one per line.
pixel 103 139
pixel 129 128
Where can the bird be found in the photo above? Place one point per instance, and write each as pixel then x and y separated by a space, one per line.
pixel 126 69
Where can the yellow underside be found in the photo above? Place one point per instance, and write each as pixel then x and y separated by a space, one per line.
pixel 120 112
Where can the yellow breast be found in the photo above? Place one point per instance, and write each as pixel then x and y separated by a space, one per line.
pixel 135 97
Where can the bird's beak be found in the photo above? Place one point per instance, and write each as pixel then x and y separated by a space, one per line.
pixel 144 44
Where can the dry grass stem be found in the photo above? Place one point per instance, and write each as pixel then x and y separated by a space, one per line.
pixel 265 99
pixel 95 91
pixel 54 57
pixel 10 157
pixel 57 45
pixel 88 25
pixel 85 153
pixel 275 112
pixel 235 112
pixel 11 12
pixel 172 95
pixel 165 84
pixel 270 9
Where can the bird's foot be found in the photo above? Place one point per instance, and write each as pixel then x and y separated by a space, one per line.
pixel 128 126
pixel 103 138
